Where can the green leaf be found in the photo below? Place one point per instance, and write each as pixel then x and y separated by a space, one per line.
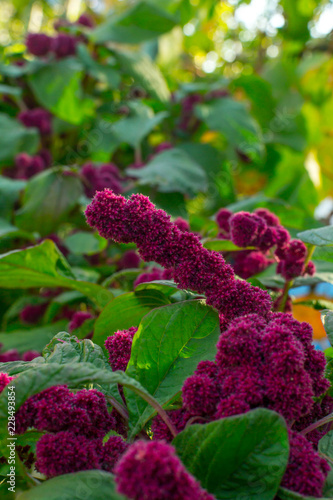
pixel 15 138
pixel 10 90
pixel 126 311
pixel 237 457
pixel 284 494
pixel 33 339
pixel 10 190
pixel 223 246
pixel 85 243
pixel 167 348
pixel 8 229
pixel 325 445
pixel 319 237
pixel 48 199
pixel 172 171
pixel 141 67
pixel 65 348
pixel 44 265
pixel 233 120
pixel 57 86
pixel 142 22
pixel 327 320
pixel 134 129
pixel 104 73
pixel 89 484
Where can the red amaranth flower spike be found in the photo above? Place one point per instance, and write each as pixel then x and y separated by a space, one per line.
pixel 4 380
pixel 137 220
pixel 152 471
pixel 38 44
pixel 119 348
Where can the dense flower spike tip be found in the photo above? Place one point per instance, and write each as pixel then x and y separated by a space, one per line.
pixel 4 380
pixel 98 178
pixel 38 44
pixel 66 452
pixel 137 220
pixel 246 229
pixel 200 395
pixel 270 218
pixel 64 45
pixel 32 313
pixel 152 471
pixel 112 450
pixel 178 418
pixel 129 260
pixel 85 20
pixel 119 348
pixel 306 471
pixel 182 224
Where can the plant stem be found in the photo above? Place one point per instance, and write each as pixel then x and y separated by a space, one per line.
pixel 286 288
pixel 119 407
pixel 138 154
pixel 319 423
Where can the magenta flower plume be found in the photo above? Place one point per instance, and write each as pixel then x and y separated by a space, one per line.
pixel 152 471
pixel 200 395
pixel 4 380
pixel 182 224
pixel 154 274
pixel 64 45
pixel 85 20
pixel 32 313
pixel 98 178
pixel 78 319
pixel 119 348
pixel 247 264
pixel 158 239
pixel 38 44
pixel 246 229
pixel 270 218
pixel 58 409
pixel 10 355
pixel 129 260
pixel 38 117
pixel 112 450
pixel 30 355
pixel 222 219
pixel 66 452
pixel 306 471
pixel 178 418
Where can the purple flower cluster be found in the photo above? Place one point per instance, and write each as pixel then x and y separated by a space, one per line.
pixel 78 319
pixel 188 121
pixel 4 380
pixel 153 274
pixel 152 471
pixel 268 363
pixel 263 231
pixel 129 260
pixel 307 471
pixel 98 178
pixel 194 267
pixel 76 424
pixel 27 166
pixel 32 313
pixel 119 348
pixel 14 355
pixel 39 118
pixel 62 45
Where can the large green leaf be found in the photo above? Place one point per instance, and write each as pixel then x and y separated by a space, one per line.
pixel 237 457
pixel 135 128
pixel 88 484
pixel 172 171
pixel 44 265
pixel 15 138
pixel 142 22
pixel 48 199
pixel 141 67
pixel 57 86
pixel 167 348
pixel 233 120
pixel 102 72
pixel 320 237
pixel 33 339
pixel 126 311
pixel 7 229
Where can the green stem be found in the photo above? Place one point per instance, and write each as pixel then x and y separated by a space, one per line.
pixel 286 288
